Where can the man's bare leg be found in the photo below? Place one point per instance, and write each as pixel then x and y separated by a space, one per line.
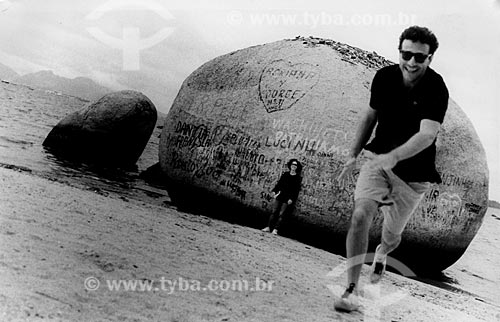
pixel 357 237
pixel 356 246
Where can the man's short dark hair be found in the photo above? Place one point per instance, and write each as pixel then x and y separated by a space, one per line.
pixel 420 34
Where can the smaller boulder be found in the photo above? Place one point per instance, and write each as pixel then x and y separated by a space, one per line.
pixel 113 130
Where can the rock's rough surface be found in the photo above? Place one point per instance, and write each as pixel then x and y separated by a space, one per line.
pixel 112 130
pixel 238 119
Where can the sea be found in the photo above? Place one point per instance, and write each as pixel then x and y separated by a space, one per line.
pixel 28 114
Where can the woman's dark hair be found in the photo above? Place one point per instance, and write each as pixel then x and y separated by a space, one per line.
pixel 299 165
pixel 420 34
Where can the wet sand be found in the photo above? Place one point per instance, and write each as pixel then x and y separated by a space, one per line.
pixel 55 237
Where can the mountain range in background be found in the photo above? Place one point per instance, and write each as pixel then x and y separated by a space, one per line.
pixel 7 73
pixel 80 86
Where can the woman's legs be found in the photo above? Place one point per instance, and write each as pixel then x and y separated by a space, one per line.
pixel 277 216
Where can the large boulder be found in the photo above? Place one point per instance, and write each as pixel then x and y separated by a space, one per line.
pixel 113 130
pixel 239 117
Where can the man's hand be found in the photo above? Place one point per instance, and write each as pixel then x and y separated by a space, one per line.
pixel 383 162
pixel 290 201
pixel 346 173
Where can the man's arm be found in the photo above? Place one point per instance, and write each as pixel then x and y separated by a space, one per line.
pixel 416 144
pixel 364 130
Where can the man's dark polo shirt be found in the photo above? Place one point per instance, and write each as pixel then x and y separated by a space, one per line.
pixel 399 112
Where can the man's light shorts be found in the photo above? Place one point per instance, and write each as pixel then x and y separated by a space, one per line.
pixel 397 199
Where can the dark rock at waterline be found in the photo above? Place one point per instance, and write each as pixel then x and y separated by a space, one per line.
pixel 154 175
pixel 238 118
pixel 113 130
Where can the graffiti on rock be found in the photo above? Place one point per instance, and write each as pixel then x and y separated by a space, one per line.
pixel 297 143
pixel 302 136
pixel 450 179
pixel 473 208
pixel 190 135
pixel 219 153
pixel 282 84
pixel 450 203
pixel 311 129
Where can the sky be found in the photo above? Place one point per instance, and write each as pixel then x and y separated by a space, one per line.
pixel 153 45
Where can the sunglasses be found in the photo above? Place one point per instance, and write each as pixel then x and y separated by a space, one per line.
pixel 419 58
pixel 294 163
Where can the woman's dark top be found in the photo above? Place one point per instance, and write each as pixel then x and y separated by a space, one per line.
pixel 288 187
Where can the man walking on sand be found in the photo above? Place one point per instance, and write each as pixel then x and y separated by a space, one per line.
pixel 408 103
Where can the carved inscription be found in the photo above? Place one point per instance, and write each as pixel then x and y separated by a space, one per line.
pixel 301 136
pixel 282 84
pixel 219 153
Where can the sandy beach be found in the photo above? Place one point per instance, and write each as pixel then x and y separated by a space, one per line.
pixel 63 247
